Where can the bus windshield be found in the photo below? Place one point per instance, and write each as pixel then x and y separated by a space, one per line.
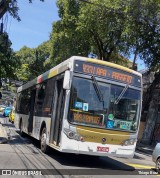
pixel 86 108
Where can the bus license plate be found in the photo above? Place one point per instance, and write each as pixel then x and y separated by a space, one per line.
pixel 103 149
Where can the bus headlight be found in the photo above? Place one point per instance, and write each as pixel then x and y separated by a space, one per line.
pixel 73 135
pixel 129 142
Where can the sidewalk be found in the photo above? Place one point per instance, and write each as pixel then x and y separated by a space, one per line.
pixel 147 149
pixel 3 133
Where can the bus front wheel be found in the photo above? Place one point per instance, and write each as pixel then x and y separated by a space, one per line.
pixel 44 147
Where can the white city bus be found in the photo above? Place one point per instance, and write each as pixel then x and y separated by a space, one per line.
pixel 83 106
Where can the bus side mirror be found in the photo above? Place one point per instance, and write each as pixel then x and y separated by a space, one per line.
pixel 67 80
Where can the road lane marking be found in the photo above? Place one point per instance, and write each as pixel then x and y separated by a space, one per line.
pixel 141 166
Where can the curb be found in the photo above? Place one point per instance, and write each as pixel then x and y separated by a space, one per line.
pixel 3 140
pixel 144 150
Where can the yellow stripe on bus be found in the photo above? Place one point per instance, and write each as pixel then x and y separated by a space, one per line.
pixel 97 135
pixel 52 73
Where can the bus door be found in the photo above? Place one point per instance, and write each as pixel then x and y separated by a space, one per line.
pixel 31 110
pixel 57 116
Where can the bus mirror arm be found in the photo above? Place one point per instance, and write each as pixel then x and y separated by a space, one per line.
pixel 67 80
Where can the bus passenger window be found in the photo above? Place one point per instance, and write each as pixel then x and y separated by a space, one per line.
pixel 44 99
pixel 39 100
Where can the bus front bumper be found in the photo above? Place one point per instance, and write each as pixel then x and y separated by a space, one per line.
pixel 97 149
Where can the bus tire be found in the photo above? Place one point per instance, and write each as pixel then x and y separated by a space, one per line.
pixel 43 140
pixel 21 129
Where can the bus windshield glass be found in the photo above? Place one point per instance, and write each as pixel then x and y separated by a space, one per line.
pixel 86 108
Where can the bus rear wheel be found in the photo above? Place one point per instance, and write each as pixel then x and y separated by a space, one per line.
pixel 43 140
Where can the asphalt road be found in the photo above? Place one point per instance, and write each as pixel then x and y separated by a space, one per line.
pixel 23 156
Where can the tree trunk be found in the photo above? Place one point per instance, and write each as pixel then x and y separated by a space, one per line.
pixel 151 121
pixel 134 60
pixel 148 96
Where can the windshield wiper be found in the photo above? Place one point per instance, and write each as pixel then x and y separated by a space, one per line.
pixel 121 94
pixel 97 89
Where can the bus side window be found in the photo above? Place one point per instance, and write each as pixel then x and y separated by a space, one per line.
pixel 44 98
pixel 49 96
pixel 39 99
pixel 24 102
pixel 18 102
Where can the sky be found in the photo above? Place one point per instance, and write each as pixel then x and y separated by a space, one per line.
pixel 35 25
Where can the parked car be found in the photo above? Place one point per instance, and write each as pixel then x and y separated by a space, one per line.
pixel 11 116
pixel 156 156
pixel 6 111
pixel 2 107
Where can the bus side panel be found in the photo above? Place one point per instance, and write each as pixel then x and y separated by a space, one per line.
pixel 37 123
pixel 16 120
pixel 24 119
pixel 25 122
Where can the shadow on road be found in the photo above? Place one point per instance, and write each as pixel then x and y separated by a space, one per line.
pixel 8 125
pixel 69 159
pixel 138 157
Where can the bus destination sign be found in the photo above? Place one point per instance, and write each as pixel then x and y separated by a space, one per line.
pixel 87 118
pixel 107 72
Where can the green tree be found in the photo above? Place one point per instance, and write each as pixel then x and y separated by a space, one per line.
pixel 98 27
pixel 34 61
pixel 26 57
pixel 66 39
pixel 105 22
pixel 146 29
pixel 8 60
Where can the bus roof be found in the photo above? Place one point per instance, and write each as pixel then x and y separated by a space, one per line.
pixel 68 64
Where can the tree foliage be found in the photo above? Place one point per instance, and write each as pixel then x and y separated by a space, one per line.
pixel 144 21
pixel 111 28
pixel 8 60
pixel 99 27
pixel 34 61
pixel 66 39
